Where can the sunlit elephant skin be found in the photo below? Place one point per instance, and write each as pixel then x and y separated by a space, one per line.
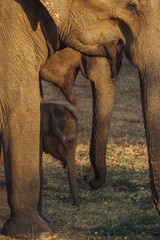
pixel 58 137
pixel 92 27
pixel 62 68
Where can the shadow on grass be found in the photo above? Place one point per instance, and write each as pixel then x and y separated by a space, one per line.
pixel 121 209
pixel 126 183
pixel 129 228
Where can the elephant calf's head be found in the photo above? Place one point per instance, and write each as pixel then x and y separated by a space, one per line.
pixel 58 131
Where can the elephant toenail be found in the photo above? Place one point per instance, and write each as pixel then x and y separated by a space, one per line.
pixel 47 236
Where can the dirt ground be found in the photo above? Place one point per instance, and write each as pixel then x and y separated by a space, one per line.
pixel 127 122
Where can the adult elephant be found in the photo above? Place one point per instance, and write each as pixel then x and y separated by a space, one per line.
pixel 137 24
pixel 28 36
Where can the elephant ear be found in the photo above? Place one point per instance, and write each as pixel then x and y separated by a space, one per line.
pixel 56 9
pixel 45 119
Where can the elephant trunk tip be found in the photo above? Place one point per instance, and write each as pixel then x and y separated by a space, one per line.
pixel 75 203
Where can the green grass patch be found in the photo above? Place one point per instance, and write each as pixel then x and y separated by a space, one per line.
pixel 122 209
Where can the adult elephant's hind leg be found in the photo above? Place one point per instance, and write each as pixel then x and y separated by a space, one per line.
pixel 103 95
pixel 21 130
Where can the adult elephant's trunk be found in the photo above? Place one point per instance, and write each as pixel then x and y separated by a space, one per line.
pixel 150 90
pixel 103 97
pixel 72 173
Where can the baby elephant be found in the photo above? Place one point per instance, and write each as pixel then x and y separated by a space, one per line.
pixel 58 137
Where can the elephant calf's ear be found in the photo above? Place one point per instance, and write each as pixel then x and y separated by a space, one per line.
pixel 45 120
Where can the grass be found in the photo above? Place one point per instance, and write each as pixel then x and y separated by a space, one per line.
pixel 122 209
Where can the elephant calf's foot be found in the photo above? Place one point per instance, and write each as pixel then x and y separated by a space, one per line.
pixel 95 184
pixel 33 228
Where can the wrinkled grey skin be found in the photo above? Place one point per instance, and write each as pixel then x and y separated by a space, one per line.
pixel 62 68
pixel 58 137
pixel 91 27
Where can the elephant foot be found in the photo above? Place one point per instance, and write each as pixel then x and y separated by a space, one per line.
pixel 33 228
pixel 95 184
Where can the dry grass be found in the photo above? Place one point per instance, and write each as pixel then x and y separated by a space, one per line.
pixel 123 208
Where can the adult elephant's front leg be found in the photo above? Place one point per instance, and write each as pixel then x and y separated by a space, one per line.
pixel 21 127
pixel 103 96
